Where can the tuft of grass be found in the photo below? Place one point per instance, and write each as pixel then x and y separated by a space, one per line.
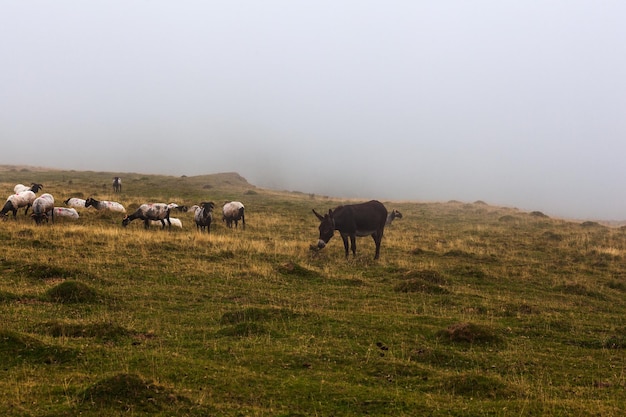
pixel 17 348
pixel 70 292
pixel 129 393
pixel 104 331
pixel 477 385
pixel 470 333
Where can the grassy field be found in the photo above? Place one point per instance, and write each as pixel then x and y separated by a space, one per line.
pixel 472 310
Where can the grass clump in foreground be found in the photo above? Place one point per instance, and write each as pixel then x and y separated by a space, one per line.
pixel 471 310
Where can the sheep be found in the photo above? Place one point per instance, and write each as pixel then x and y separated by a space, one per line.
pixel 174 206
pixel 233 212
pixel 173 221
pixel 203 216
pixel 117 185
pixel 17 201
pixel 34 187
pixel 394 214
pixel 69 213
pixel 147 212
pixel 105 205
pixel 43 205
pixel 75 202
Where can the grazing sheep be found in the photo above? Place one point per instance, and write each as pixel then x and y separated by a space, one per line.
pixel 42 206
pixel 173 221
pixel 17 201
pixel 395 214
pixel 233 212
pixel 64 212
pixel 203 216
pixel 34 187
pixel 147 212
pixel 117 185
pixel 75 202
pixel 105 205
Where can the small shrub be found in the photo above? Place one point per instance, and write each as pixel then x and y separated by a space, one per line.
pixel 538 214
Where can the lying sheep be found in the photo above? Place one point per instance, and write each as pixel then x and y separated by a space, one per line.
pixel 64 212
pixel 17 201
pixel 203 216
pixel 233 212
pixel 75 202
pixel 42 207
pixel 105 205
pixel 147 212
pixel 173 221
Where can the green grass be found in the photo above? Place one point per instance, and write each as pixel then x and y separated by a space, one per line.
pixel 471 310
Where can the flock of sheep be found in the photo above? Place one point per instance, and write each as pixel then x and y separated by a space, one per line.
pixel 152 213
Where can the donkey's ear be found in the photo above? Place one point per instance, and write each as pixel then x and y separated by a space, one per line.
pixel 319 216
pixel 330 213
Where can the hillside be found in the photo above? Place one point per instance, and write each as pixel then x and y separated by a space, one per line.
pixel 471 310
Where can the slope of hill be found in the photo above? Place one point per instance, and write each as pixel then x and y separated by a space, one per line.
pixel 471 310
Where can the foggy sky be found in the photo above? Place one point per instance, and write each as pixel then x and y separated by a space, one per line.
pixel 521 104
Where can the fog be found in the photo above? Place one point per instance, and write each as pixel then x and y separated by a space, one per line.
pixel 520 104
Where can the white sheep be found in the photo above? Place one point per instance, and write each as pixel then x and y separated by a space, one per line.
pixel 173 221
pixel 233 212
pixel 17 201
pixel 75 202
pixel 42 206
pixel 105 205
pixel 34 187
pixel 64 212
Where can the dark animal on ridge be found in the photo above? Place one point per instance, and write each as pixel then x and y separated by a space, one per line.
pixel 117 185
pixel 364 219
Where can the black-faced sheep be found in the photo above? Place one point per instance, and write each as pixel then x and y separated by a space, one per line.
pixel 105 205
pixel 395 214
pixel 42 207
pixel 34 187
pixel 233 212
pixel 17 201
pixel 147 212
pixel 203 216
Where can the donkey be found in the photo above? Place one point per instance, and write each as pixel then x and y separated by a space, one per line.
pixel 364 219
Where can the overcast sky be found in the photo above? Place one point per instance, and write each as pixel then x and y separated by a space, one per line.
pixel 516 103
